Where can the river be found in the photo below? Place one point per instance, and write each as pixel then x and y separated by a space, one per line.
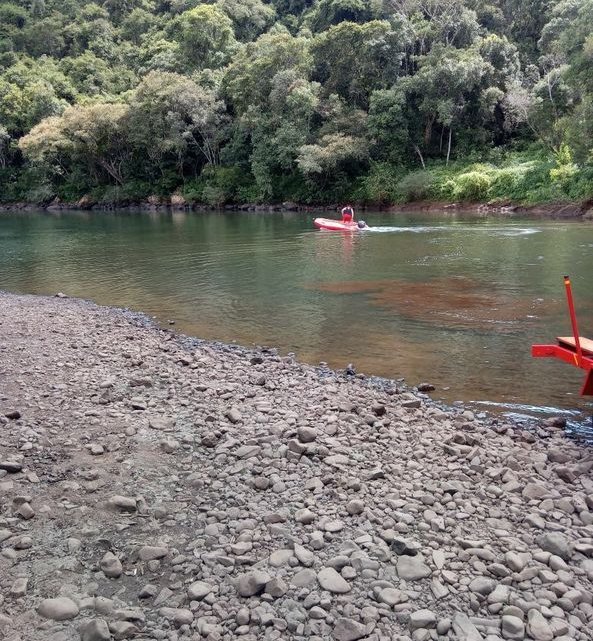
pixel 452 300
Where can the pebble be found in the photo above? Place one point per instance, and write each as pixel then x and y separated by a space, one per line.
pixel 271 500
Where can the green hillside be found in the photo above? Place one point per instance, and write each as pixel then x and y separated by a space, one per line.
pixel 316 101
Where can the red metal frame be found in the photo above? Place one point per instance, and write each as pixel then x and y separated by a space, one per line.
pixel 572 355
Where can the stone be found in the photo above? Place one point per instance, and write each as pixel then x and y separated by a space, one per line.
pixel 513 628
pixel 276 587
pixel 11 467
pixel 198 590
pixel 515 561
pixel 307 434
pixel 535 491
pixel 95 630
pixel 348 630
pixel 122 503
pixel 392 596
pixel 331 581
pixel 555 543
pixel 152 553
pixel 464 629
pixel 412 568
pixel 305 516
pixel 13 415
pixel 537 626
pixel 26 511
pixel 252 583
pixel 356 506
pixel 60 609
pixel 482 585
pixel 304 556
pixel 234 415
pixel 111 566
pixel 179 616
pixel 423 619
pixel 19 587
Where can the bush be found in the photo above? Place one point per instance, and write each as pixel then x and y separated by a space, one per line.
pixel 418 185
pixel 473 185
pixel 380 185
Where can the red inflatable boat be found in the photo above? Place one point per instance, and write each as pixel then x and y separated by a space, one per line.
pixel 338 225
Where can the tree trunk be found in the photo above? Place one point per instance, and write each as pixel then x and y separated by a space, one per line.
pixel 417 150
pixel 449 145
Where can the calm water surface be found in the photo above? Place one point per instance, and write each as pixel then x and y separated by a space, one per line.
pixel 455 301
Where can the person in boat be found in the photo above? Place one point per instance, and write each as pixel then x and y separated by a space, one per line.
pixel 347 214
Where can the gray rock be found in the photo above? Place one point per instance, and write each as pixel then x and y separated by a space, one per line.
pixel 556 543
pixel 331 581
pixel 95 630
pixel 179 616
pixel 482 585
pixel 252 583
pixel 19 587
pixel 464 629
pixel 234 415
pixel 307 434
pixel 537 626
pixel 513 628
pixel 111 566
pixel 123 503
pixel 305 516
pixel 11 467
pixel 535 491
pixel 423 619
pixel 276 587
pixel 198 590
pixel 152 553
pixel 348 630
pixel 412 568
pixel 60 609
pixel 356 506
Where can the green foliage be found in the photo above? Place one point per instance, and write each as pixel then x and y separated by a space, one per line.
pixel 418 185
pixel 311 100
pixel 473 185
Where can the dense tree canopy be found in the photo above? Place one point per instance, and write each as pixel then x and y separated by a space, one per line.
pixel 316 100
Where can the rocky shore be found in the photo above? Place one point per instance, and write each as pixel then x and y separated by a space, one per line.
pixel 158 487
pixel 562 210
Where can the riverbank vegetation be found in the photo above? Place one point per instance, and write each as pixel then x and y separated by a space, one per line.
pixel 315 101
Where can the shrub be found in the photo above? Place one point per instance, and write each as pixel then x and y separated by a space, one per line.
pixel 416 186
pixel 473 185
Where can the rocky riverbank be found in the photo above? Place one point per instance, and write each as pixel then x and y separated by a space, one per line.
pixel 564 210
pixel 155 487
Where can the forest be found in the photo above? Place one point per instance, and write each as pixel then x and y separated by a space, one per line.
pixel 313 101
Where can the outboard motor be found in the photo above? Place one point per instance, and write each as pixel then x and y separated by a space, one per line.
pixel 362 224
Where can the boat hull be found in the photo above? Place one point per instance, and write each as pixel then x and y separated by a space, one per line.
pixel 335 225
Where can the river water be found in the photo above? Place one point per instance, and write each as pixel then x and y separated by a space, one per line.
pixel 452 300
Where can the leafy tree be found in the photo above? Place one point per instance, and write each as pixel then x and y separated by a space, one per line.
pixel 352 60
pixel 93 137
pixel 173 118
pixel 250 17
pixel 205 36
pixel 248 79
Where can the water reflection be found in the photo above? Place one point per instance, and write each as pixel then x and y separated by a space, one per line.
pixel 454 301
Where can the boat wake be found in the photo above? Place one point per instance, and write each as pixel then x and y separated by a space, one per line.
pixel 491 231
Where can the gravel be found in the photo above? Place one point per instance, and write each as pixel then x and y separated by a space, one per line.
pixel 154 486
